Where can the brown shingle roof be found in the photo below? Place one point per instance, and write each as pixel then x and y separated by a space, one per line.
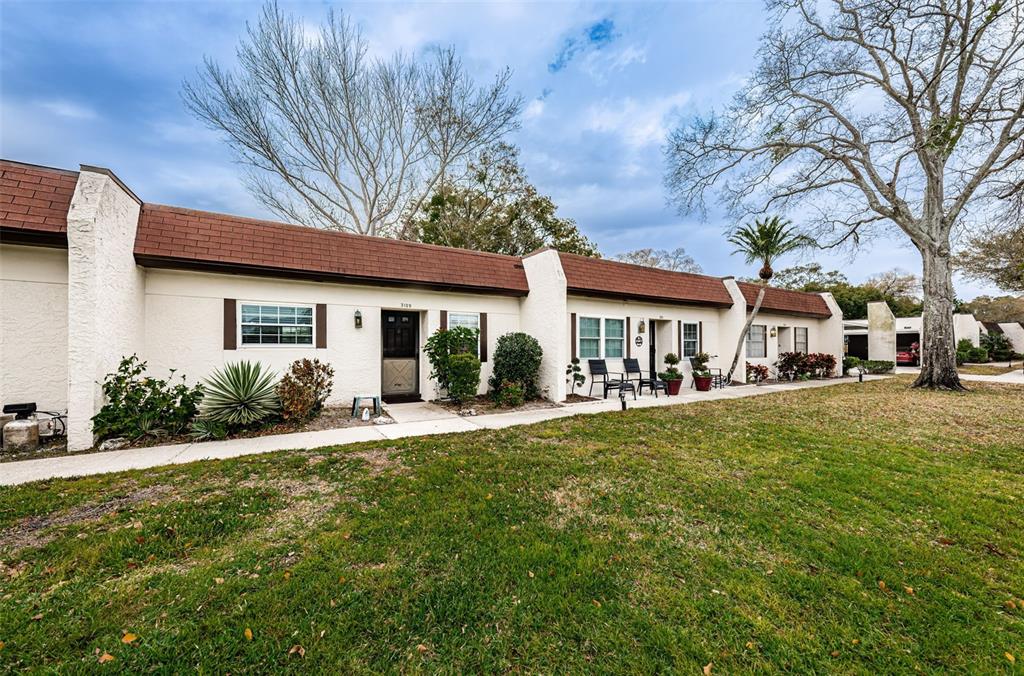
pixel 992 327
pixel 175 237
pixel 34 202
pixel 596 276
pixel 784 300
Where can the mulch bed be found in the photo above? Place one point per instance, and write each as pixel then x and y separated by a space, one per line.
pixel 483 404
pixel 577 399
pixel 330 418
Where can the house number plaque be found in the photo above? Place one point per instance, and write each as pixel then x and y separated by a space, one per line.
pixel 638 341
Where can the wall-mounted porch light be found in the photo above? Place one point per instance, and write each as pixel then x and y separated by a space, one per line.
pixel 641 327
pixel 359 319
pixel 774 332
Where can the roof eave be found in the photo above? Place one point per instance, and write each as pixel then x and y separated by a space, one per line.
pixel 617 295
pixel 171 263
pixel 28 237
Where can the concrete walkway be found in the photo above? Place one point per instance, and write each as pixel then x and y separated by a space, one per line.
pixel 416 419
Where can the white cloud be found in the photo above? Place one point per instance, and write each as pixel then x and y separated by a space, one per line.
pixel 534 109
pixel 69 109
pixel 638 123
pixel 599 65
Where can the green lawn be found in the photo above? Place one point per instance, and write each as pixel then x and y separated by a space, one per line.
pixel 858 528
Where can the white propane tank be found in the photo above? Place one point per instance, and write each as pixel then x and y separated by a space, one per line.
pixel 21 436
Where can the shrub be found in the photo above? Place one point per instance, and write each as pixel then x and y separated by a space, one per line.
pixel 791 365
pixel 517 358
pixel 998 346
pixel 877 366
pixel 137 405
pixel 672 371
pixel 442 345
pixel 978 355
pixel 575 375
pixel 463 376
pixel 851 362
pixel 206 430
pixel 305 388
pixel 510 394
pixel 821 364
pixel 240 395
pixel 756 373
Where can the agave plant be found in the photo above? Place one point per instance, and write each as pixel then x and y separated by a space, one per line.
pixel 240 394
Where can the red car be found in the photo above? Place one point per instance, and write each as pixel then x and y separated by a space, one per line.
pixel 909 357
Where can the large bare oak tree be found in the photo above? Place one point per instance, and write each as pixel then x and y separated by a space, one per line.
pixel 864 114
pixel 335 138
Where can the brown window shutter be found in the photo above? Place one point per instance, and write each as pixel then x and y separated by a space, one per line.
pixel 700 336
pixel 572 332
pixel 679 335
pixel 629 341
pixel 444 320
pixel 230 326
pixel 483 336
pixel 321 326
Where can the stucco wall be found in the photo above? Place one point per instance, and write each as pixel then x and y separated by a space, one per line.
pixel 540 314
pixel 185 313
pixel 664 318
pixel 34 327
pixel 882 332
pixel 105 294
pixel 821 337
pixel 1015 333
pixel 966 326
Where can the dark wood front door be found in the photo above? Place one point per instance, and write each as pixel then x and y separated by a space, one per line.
pixel 400 358
pixel 652 348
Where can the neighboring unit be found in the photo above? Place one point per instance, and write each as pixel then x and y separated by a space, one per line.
pixel 89 274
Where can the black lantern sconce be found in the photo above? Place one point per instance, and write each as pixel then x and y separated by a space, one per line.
pixel 359 319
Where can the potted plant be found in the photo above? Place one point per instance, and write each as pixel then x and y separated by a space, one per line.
pixel 701 372
pixel 672 376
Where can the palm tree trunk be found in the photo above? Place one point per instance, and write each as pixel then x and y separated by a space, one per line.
pixel 743 334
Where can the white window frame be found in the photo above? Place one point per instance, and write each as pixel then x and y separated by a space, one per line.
pixel 796 339
pixel 602 336
pixel 763 342
pixel 266 303
pixel 452 325
pixel 695 340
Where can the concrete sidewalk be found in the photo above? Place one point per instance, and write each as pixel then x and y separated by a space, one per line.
pixel 418 419
pixel 1015 377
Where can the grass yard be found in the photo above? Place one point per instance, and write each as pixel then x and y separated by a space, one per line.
pixel 986 370
pixel 857 528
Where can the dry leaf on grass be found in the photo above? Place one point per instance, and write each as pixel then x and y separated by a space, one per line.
pixel 248 634
pixel 106 657
pixel 297 650
pixel 707 668
pixel 129 637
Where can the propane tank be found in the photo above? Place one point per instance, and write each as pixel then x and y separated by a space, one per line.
pixel 21 436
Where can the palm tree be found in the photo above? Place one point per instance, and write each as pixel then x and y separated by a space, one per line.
pixel 763 242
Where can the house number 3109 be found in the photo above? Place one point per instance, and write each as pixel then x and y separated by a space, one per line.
pixel 406 304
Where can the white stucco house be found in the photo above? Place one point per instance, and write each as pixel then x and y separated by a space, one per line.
pixel 89 273
pixel 1014 332
pixel 882 335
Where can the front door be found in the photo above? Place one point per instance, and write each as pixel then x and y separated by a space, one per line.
pixel 652 348
pixel 400 358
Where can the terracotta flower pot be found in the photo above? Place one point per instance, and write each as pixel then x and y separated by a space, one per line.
pixel 673 386
pixel 703 383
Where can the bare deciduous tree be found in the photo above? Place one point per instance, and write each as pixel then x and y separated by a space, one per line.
pixel 868 113
pixel 334 138
pixel 676 260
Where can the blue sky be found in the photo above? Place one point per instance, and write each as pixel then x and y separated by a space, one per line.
pixel 98 83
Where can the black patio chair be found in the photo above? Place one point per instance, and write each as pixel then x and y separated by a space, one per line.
pixel 633 371
pixel 598 369
pixel 717 377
